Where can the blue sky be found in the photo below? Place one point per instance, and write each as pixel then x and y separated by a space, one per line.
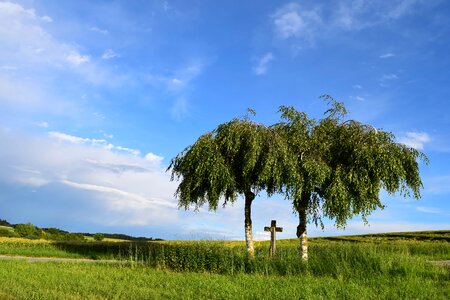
pixel 96 97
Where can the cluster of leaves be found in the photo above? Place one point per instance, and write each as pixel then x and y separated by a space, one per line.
pixel 56 234
pixel 31 231
pixel 119 236
pixel 5 223
pixel 237 157
pixel 342 164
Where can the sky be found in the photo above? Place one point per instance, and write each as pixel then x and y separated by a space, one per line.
pixel 96 97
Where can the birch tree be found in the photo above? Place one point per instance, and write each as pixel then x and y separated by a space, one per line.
pixel 342 165
pixel 239 157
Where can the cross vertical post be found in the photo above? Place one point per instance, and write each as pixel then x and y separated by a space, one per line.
pixel 273 230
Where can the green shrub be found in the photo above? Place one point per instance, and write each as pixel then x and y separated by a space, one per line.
pixel 8 232
pixel 29 231
pixel 98 237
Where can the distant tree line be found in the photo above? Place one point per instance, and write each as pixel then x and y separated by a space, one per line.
pixel 31 231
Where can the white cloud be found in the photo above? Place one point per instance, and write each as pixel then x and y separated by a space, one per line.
pixel 77 59
pixel 166 6
pixel 387 55
pixel 313 20
pixel 109 54
pixel 292 21
pixel 47 19
pixel 179 109
pixel 357 227
pixel 138 200
pixel 415 140
pixel 128 150
pixel 123 189
pixel 429 210
pixel 42 124
pixel 357 86
pixel 388 77
pixel 402 8
pixel 9 8
pixel 92 142
pixel 153 157
pixel 75 139
pixel 182 77
pixel 98 30
pixel 262 64
pixel 359 98
pixel 28 45
pixel 176 81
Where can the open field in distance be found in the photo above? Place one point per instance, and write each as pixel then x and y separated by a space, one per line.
pixel 393 266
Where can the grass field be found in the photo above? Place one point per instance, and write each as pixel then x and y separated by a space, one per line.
pixel 387 266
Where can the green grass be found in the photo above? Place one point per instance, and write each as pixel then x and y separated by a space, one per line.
pixel 389 266
pixel 22 280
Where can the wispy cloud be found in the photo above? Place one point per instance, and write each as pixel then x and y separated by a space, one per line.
pixel 292 21
pixel 179 109
pixel 387 79
pixel 391 76
pixel 153 157
pixel 415 140
pixel 429 210
pixel 121 188
pixel 91 142
pixel 77 59
pixel 387 55
pixel 109 54
pixel 98 30
pixel 43 124
pixel 262 64
pixel 309 22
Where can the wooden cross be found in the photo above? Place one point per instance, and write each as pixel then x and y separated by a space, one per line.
pixel 273 229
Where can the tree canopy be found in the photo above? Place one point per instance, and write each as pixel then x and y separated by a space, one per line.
pixel 343 164
pixel 332 167
pixel 238 157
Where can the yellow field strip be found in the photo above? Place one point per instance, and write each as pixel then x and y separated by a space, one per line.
pixel 58 259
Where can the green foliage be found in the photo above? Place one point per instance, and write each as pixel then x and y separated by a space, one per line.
pixel 343 164
pixel 29 231
pixel 237 157
pixel 98 236
pixel 8 232
pixel 56 234
pixel 5 223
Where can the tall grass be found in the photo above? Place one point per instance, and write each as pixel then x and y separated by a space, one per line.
pixel 346 268
pixel 341 259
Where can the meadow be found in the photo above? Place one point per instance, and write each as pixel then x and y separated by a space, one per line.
pixel 384 266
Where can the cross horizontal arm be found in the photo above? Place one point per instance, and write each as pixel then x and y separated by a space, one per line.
pixel 267 229
pixel 279 229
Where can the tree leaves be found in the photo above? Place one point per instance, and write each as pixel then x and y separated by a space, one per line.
pixel 343 164
pixel 329 167
pixel 237 157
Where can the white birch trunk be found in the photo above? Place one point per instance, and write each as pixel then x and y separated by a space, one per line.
pixel 249 196
pixel 303 246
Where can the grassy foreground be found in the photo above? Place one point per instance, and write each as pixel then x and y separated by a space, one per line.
pixel 22 280
pixel 359 267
